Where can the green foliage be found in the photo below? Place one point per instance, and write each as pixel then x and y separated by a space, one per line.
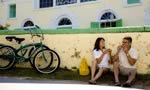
pixel 4 27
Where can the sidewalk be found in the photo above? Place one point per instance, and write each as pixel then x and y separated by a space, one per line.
pixel 23 75
pixel 137 85
pixel 15 83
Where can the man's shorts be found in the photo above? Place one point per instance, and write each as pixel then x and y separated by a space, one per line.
pixel 127 71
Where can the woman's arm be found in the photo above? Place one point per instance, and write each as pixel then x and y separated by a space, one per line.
pixel 101 57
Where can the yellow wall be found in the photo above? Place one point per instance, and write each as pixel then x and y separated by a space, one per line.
pixel 83 14
pixel 73 47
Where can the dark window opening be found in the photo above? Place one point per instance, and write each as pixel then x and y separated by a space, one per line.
pixel 45 3
pixel 108 16
pixel 28 23
pixel 65 2
pixel 64 21
pixel 108 24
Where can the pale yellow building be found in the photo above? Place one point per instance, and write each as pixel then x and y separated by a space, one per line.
pixel 53 14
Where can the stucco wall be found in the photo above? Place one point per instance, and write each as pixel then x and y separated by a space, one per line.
pixel 73 47
pixel 80 14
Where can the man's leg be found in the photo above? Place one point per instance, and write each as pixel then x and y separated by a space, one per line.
pixel 116 71
pixel 93 68
pixel 131 76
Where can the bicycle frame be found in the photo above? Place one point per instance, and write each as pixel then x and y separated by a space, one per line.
pixel 34 46
pixel 30 48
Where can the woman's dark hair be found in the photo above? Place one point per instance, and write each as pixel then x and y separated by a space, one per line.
pixel 96 46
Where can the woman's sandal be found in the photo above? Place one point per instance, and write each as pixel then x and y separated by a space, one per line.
pixel 92 82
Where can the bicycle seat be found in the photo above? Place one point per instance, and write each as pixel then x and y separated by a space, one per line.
pixel 10 38
pixel 19 40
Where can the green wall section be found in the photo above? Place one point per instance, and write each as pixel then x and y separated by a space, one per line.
pixel 76 31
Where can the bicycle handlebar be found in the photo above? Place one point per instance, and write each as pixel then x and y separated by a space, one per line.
pixel 34 31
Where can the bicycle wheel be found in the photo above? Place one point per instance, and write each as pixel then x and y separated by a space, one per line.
pixel 32 53
pixel 46 61
pixel 7 57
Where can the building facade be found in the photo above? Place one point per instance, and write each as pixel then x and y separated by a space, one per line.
pixel 57 14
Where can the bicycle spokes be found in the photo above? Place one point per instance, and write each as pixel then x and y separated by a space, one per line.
pixel 46 61
pixel 7 57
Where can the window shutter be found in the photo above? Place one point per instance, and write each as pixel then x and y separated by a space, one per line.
pixel 12 11
pixel 119 23
pixel 95 24
pixel 133 1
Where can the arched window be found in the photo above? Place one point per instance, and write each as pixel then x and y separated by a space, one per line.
pixel 28 23
pixel 108 16
pixel 108 19
pixel 64 23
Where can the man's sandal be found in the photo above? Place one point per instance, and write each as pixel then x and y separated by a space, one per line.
pixel 117 84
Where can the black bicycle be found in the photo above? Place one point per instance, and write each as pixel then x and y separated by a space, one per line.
pixel 41 57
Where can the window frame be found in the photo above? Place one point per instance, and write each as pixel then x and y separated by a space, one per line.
pixel 64 26
pixel 39 5
pixel 37 2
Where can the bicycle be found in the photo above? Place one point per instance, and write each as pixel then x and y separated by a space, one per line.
pixel 41 57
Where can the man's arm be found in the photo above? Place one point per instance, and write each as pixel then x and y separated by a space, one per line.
pixel 116 56
pixel 131 60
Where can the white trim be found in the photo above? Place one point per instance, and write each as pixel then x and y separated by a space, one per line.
pixel 35 4
pixel 54 3
pixel 147 16
pixel 57 18
pixel 130 5
pixel 64 26
pixel 25 20
pixel 98 18
pixel 127 27
pixel 109 20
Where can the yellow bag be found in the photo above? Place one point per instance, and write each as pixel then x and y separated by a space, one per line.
pixel 84 70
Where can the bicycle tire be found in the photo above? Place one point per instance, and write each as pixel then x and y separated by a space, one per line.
pixel 31 51
pixel 50 66
pixel 7 57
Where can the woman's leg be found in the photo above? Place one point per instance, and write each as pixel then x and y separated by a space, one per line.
pixel 98 74
pixel 93 68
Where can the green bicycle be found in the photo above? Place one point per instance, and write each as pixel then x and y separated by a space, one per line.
pixel 41 57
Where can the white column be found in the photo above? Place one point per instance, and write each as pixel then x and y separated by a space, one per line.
pixel 147 16
pixel 54 3
pixel 78 1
